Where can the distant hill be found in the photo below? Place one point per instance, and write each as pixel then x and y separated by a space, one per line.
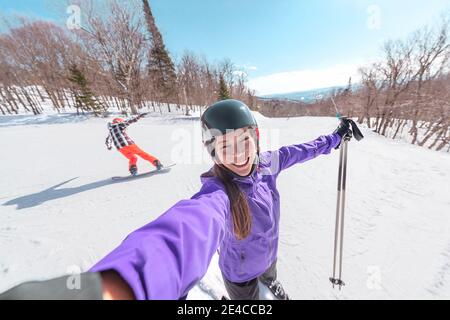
pixel 303 96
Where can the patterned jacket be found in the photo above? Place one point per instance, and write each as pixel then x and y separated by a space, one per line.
pixel 118 134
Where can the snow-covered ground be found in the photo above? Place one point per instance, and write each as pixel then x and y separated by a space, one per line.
pixel 60 212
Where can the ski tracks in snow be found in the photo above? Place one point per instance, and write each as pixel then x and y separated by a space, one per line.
pixel 440 286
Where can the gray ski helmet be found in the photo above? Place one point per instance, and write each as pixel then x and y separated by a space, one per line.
pixel 224 116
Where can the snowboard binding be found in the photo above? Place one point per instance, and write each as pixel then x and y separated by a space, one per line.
pixel 158 165
pixel 133 170
pixel 277 290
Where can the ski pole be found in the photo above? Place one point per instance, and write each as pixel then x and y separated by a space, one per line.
pixel 340 210
pixel 338 114
pixel 336 279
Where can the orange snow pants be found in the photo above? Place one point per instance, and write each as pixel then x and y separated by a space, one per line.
pixel 132 151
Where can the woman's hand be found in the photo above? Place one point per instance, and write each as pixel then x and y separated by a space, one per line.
pixel 115 288
pixel 344 128
pixel 348 129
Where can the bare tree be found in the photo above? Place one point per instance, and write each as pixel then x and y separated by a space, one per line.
pixel 119 42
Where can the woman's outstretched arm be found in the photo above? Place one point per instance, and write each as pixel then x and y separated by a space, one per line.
pixel 288 156
pixel 162 260
pixel 166 258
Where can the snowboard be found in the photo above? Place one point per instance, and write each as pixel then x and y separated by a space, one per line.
pixel 166 169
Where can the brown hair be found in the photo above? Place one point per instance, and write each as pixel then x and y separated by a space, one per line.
pixel 242 219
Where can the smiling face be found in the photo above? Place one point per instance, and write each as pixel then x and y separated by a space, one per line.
pixel 236 151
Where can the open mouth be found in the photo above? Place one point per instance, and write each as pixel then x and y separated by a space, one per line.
pixel 242 165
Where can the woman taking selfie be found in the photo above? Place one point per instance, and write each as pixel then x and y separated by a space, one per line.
pixel 236 211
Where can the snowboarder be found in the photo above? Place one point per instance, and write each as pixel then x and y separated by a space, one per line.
pixel 237 211
pixel 126 146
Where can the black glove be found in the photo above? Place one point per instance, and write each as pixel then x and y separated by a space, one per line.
pixel 344 128
pixel 348 129
pixel 108 143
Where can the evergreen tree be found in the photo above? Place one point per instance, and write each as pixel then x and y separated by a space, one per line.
pixel 84 98
pixel 224 94
pixel 160 66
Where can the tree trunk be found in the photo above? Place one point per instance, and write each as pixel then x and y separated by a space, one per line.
pixel 11 106
pixel 1 109
pixel 400 123
pixel 19 99
pixel 438 137
pixel 430 133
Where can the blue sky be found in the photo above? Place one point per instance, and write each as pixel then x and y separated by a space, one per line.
pixel 283 45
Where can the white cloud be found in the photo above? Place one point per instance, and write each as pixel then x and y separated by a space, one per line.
pixel 302 80
pixel 251 68
pixel 240 73
pixel 248 67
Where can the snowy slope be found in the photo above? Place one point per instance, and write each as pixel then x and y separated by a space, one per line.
pixel 60 212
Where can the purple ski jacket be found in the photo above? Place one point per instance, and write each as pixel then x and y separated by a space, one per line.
pixel 166 258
